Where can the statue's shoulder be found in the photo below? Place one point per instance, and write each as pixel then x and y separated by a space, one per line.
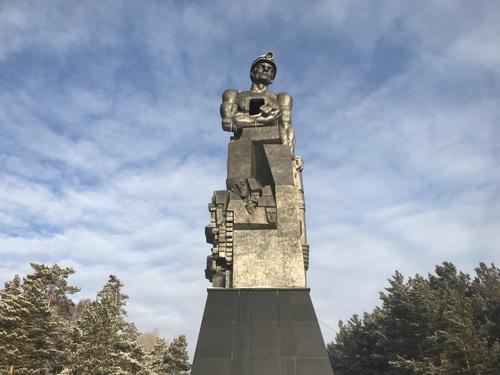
pixel 246 93
pixel 230 95
pixel 271 94
pixel 284 98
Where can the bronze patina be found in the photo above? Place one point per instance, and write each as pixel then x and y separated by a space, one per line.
pixel 257 225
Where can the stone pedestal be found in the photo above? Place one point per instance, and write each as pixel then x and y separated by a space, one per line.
pixel 260 332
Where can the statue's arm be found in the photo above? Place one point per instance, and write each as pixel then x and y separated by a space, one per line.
pixel 232 120
pixel 285 103
pixel 228 109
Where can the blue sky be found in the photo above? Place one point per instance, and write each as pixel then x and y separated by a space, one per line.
pixel 111 144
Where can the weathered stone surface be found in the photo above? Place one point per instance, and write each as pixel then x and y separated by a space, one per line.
pixel 257 225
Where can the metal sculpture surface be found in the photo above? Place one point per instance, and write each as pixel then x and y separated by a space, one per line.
pixel 257 225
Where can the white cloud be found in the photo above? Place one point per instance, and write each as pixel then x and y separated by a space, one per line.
pixel 57 27
pixel 111 145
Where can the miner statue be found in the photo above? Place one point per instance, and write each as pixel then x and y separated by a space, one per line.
pixel 259 318
pixel 264 203
pixel 259 106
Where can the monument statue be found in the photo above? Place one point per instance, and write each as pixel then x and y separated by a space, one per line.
pixel 257 225
pixel 259 318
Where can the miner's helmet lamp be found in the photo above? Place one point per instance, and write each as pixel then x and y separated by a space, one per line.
pixel 268 58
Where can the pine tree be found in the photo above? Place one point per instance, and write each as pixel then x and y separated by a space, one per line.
pixel 41 329
pixel 178 359
pixel 55 287
pixel 169 359
pixel 443 324
pixel 32 320
pixel 360 345
pixel 103 342
pixel 485 291
pixel 134 357
pixel 158 358
pixel 407 308
pixel 43 332
pixel 48 291
pixel 12 335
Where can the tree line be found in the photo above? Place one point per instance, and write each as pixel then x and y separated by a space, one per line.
pixel 447 323
pixel 42 331
pixel 444 324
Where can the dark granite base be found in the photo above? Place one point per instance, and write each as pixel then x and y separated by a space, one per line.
pixel 260 332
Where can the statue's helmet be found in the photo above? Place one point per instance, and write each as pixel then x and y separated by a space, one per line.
pixel 268 58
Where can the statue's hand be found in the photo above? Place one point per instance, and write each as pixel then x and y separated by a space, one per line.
pixel 270 111
pixel 242 118
pixel 268 116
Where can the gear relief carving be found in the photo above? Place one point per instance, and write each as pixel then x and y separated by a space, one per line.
pixel 220 234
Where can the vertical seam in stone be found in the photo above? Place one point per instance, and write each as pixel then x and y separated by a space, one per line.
pixel 250 326
pixel 235 328
pixel 279 328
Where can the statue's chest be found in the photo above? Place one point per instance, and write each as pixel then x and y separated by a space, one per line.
pixel 250 102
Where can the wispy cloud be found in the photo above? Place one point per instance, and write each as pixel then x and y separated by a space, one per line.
pixel 111 146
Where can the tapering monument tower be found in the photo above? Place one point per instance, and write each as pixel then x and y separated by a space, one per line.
pixel 259 318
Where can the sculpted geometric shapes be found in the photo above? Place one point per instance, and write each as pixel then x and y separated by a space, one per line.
pixel 257 227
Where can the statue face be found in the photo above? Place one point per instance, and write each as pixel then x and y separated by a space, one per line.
pixel 243 188
pixel 263 72
pixel 271 215
pixel 238 186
